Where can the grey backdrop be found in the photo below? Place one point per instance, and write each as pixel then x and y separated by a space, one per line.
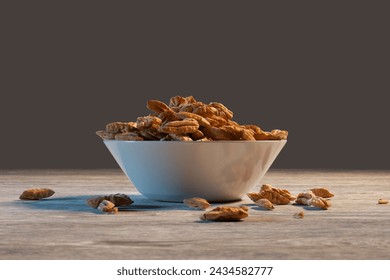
pixel 318 70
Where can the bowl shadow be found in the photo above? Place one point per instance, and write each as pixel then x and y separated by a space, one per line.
pixel 78 204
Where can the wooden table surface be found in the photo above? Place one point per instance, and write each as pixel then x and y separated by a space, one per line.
pixel 64 227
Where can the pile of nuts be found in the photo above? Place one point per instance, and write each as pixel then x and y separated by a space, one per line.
pixel 265 198
pixel 273 195
pixel 186 119
pixel 269 195
pixel 109 203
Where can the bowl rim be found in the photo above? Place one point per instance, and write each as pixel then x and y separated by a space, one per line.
pixel 196 142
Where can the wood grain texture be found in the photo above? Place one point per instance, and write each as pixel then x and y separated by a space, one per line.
pixel 64 227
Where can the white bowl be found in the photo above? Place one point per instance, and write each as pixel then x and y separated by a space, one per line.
pixel 217 170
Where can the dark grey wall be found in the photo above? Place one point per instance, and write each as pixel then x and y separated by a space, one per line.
pixel 319 70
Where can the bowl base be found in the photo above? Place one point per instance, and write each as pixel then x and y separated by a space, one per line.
pixel 180 198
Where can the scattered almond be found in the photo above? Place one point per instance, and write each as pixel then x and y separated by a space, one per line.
pixel 107 207
pixel 35 194
pixel 299 215
pixel 225 214
pixel 320 202
pixel 264 203
pixel 197 202
pixel 322 192
pixel 304 197
pixel 382 201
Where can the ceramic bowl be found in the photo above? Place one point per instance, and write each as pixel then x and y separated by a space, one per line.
pixel 218 171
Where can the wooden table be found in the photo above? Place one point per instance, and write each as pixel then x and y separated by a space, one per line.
pixel 64 227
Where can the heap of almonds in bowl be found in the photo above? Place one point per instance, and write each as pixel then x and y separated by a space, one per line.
pixel 185 119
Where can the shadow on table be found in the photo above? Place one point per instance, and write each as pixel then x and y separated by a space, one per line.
pixel 78 204
pixel 303 207
pixel 307 207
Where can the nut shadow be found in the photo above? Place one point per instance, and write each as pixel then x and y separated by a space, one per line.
pixel 261 209
pixel 213 222
pixel 78 204
pixel 307 207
